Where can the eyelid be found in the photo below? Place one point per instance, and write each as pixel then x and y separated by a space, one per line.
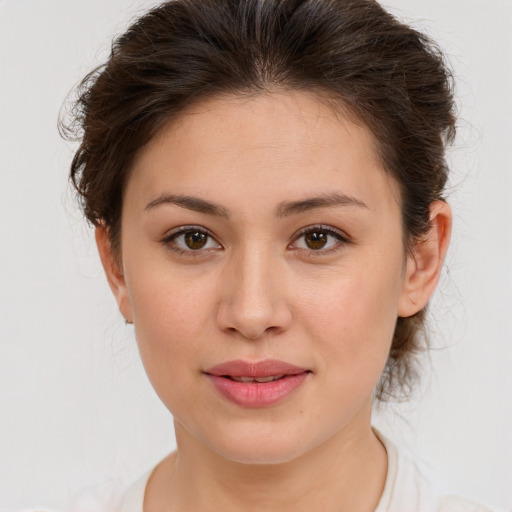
pixel 342 237
pixel 174 233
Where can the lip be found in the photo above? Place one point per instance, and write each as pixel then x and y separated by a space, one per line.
pixel 254 394
pixel 264 368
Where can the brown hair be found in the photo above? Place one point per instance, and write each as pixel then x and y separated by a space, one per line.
pixel 391 77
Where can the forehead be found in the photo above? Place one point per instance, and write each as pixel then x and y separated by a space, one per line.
pixel 266 144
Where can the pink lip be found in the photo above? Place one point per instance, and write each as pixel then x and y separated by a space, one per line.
pixel 253 394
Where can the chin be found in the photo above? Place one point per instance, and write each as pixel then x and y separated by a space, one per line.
pixel 258 456
pixel 255 446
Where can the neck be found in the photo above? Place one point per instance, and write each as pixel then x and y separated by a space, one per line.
pixel 347 472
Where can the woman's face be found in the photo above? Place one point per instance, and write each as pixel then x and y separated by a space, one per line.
pixel 258 229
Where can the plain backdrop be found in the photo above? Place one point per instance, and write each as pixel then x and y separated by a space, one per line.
pixel 76 409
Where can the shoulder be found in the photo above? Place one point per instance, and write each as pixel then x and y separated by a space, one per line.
pixel 133 500
pixel 99 498
pixel 411 484
pixel 111 496
pixel 452 503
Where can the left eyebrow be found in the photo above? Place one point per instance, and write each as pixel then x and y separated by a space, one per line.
pixel 286 209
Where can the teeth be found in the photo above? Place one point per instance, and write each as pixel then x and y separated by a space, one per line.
pixel 268 379
pixel 243 379
pixel 257 379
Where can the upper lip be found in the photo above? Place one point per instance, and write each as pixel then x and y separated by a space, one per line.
pixel 265 368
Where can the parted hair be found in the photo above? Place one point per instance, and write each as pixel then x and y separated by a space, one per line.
pixel 388 75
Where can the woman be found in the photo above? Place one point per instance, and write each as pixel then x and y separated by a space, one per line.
pixel 266 181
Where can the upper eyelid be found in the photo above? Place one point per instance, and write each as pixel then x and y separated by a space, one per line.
pixel 302 231
pixel 320 227
pixel 184 229
pixel 168 240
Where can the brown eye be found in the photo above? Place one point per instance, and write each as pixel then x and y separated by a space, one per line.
pixel 195 240
pixel 315 240
pixel 320 239
pixel 189 240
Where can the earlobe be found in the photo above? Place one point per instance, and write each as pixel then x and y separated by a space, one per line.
pixel 113 272
pixel 425 262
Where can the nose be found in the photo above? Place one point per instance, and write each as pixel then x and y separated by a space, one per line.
pixel 253 302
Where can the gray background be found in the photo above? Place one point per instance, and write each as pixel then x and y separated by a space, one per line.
pixel 76 409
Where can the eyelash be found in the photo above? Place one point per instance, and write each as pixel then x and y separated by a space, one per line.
pixel 340 236
pixel 342 240
pixel 168 240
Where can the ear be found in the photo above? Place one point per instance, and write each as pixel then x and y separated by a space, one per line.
pixel 114 273
pixel 425 262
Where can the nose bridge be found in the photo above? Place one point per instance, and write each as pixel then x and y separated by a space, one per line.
pixel 254 303
pixel 253 277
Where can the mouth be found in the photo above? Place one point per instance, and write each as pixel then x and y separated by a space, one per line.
pixel 252 380
pixel 266 370
pixel 256 384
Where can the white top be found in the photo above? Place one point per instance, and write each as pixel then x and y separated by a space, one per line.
pixel 410 487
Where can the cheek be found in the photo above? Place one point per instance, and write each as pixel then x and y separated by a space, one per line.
pixel 168 301
pixel 352 319
pixel 171 317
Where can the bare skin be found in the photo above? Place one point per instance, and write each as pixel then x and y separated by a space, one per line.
pixel 296 486
pixel 264 178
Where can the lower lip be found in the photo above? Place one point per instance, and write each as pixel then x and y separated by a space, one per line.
pixel 257 394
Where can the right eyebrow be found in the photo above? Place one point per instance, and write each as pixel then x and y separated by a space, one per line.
pixel 286 209
pixel 190 203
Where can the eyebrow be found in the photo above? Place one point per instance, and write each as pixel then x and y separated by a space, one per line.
pixel 286 209
pixel 190 203
pixel 283 209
